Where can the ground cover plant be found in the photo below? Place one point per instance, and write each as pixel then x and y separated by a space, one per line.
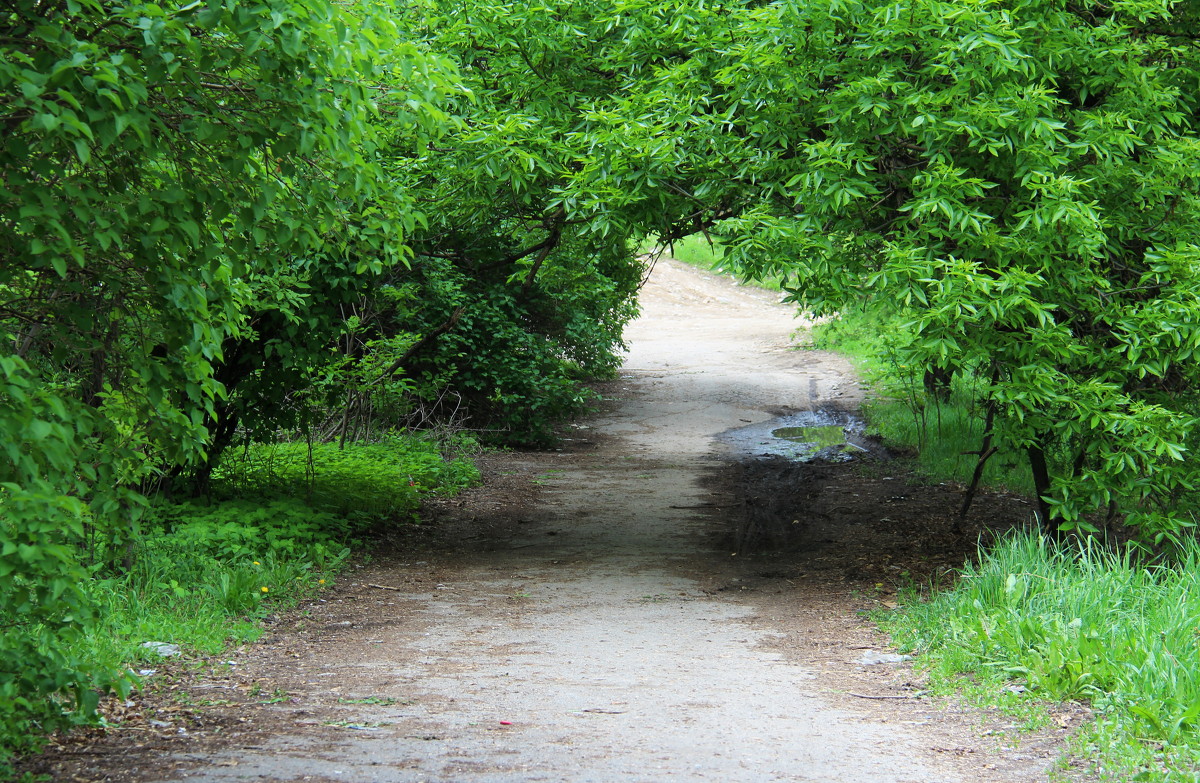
pixel 281 521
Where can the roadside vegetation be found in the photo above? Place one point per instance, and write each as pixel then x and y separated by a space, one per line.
pixel 279 526
pixel 1034 621
pixel 942 429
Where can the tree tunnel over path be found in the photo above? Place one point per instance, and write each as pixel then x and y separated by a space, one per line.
pixel 628 608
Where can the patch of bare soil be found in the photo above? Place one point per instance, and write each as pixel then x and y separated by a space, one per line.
pixel 645 603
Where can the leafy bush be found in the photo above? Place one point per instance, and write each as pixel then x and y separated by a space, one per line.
pixel 521 346
pixel 159 163
pixel 236 530
pixel 944 431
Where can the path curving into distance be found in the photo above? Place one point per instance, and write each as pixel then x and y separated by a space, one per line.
pixel 598 632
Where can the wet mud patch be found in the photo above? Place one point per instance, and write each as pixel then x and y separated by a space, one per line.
pixel 824 435
pixel 866 521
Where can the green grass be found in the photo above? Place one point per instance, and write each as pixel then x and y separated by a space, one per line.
pixel 1081 624
pixel 278 528
pixel 697 251
pixel 1076 624
pixel 943 435
pixel 381 478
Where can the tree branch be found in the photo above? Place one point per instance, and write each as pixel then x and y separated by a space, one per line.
pixel 419 345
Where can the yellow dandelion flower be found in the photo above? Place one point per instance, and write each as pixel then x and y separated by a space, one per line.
pixel 320 581
pixel 263 589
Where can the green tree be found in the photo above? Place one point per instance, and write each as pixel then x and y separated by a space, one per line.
pixel 167 173
pixel 1020 179
pixel 538 286
pixel 1023 180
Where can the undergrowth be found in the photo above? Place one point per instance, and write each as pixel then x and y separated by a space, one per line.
pixel 200 574
pixel 1082 623
pixel 943 436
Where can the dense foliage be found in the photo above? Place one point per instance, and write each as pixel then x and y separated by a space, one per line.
pixel 1018 179
pixel 170 177
pixel 1021 180
pixel 225 222
pixel 211 233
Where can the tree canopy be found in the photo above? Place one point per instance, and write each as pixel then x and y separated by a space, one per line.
pixel 168 172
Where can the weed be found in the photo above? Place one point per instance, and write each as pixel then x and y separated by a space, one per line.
pixel 278 696
pixel 381 701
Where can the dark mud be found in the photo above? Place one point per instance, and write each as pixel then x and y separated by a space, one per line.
pixel 867 520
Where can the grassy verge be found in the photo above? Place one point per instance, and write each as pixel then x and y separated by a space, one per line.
pixel 280 523
pixel 1037 621
pixel 940 435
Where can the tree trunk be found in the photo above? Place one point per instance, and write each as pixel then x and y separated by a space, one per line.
pixel 1041 484
pixel 937 382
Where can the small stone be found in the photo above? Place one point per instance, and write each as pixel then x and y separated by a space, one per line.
pixel 873 658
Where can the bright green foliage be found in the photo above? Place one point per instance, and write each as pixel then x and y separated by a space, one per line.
pixel 1084 625
pixel 943 430
pixel 1022 180
pixel 1019 180
pixel 545 283
pixel 222 221
pixel 165 170
pixel 540 342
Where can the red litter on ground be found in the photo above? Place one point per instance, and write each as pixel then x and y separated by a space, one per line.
pixel 506 723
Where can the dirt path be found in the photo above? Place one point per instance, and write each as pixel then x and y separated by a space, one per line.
pixel 657 608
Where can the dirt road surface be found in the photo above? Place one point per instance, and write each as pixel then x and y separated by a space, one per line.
pixel 645 604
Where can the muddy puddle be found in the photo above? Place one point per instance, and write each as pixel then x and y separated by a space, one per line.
pixel 807 436
pixel 777 461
